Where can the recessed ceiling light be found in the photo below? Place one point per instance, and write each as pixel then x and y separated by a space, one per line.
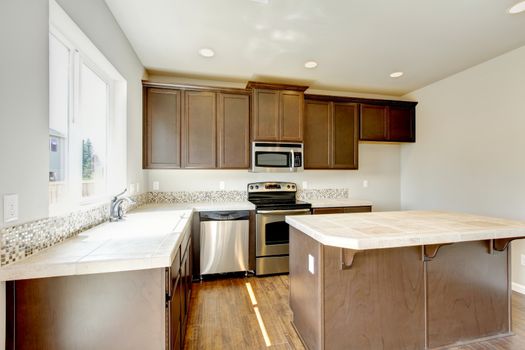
pixel 310 64
pixel 519 7
pixel 206 52
pixel 396 74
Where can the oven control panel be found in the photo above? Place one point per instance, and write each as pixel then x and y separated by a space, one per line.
pixel 272 187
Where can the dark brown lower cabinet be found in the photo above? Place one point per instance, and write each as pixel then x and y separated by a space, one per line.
pixel 398 298
pixel 342 210
pixel 142 309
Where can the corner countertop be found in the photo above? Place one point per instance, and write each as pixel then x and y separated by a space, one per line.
pixel 335 203
pixel 145 239
pixel 395 229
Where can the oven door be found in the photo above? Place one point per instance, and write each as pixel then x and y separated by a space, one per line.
pixel 272 231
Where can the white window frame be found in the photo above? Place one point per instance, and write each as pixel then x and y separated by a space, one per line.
pixel 83 51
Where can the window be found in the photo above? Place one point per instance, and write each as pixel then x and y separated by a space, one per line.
pixel 87 119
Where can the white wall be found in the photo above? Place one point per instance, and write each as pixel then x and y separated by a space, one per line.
pixel 469 154
pixel 23 112
pixel 24 103
pixel 378 163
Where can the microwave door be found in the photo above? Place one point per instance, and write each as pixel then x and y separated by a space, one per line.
pixel 292 163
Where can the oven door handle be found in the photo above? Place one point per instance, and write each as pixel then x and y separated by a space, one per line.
pixel 280 212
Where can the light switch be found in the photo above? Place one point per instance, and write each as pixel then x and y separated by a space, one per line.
pixel 131 189
pixel 156 185
pixel 523 259
pixel 365 183
pixel 137 187
pixel 311 264
pixel 10 207
pixel 305 185
pixel 221 185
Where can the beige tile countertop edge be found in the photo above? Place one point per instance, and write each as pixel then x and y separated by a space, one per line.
pixel 380 230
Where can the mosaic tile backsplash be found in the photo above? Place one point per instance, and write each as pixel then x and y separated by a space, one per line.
pixel 20 241
pixel 327 193
pixel 197 196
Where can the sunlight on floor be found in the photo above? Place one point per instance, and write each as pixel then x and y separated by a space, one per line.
pixel 258 315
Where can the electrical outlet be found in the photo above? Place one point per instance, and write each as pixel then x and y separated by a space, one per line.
pixel 10 207
pixel 221 185
pixel 523 259
pixel 365 183
pixel 131 189
pixel 156 185
pixel 137 187
pixel 311 264
pixel 305 185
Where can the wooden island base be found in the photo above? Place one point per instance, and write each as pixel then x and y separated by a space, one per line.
pixel 419 297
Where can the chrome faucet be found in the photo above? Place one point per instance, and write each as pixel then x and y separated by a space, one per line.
pixel 116 212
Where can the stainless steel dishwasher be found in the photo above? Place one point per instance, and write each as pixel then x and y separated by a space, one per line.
pixel 224 241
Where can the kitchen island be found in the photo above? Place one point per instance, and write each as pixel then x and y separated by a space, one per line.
pixel 400 280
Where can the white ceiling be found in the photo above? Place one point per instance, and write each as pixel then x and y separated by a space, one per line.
pixel 357 43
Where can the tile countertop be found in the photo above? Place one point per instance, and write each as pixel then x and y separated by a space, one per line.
pixel 403 228
pixel 336 203
pixel 145 239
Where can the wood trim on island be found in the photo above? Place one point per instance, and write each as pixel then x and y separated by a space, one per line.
pixel 393 299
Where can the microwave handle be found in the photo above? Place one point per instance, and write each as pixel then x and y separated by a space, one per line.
pixel 292 166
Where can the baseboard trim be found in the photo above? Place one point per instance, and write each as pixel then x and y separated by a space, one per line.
pixel 519 288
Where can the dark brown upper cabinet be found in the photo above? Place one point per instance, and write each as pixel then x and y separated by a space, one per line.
pixel 162 128
pixel 401 123
pixel 233 131
pixel 199 130
pixel 391 123
pixel 317 134
pixel 330 135
pixel 196 128
pixel 277 112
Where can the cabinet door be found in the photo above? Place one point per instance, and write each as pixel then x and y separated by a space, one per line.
pixel 185 297
pixel 317 134
pixel 162 121
pixel 234 131
pixel 363 209
pixel 401 124
pixel 373 123
pixel 175 316
pixel 328 211
pixel 345 139
pixel 291 116
pixel 199 130
pixel 265 115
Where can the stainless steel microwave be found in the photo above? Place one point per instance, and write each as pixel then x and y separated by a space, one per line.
pixel 277 157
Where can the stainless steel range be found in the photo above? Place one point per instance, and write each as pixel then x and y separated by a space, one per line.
pixel 273 201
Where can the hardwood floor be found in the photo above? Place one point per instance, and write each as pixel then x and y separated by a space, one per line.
pixel 223 316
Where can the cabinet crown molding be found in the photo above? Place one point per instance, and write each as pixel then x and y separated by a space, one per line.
pixel 274 86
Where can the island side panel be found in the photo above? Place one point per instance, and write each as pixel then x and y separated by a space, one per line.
pixel 305 289
pixel 468 294
pixel 378 303
pixel 120 310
